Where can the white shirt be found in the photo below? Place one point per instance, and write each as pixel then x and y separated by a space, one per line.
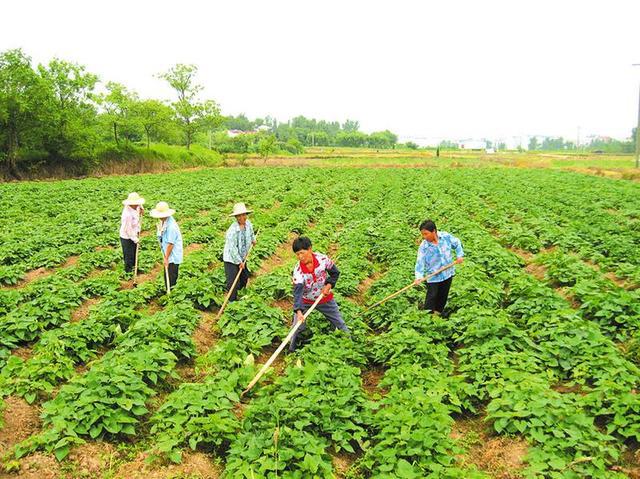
pixel 130 223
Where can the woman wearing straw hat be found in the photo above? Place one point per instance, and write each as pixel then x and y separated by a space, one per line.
pixel 170 241
pixel 238 239
pixel 130 229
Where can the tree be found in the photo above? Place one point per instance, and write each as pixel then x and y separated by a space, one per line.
pixel 351 138
pixel 351 125
pixel 71 112
pixel 382 139
pixel 21 97
pixel 187 108
pixel 208 117
pixel 118 104
pixel 153 116
pixel 240 122
pixel 533 143
pixel 266 146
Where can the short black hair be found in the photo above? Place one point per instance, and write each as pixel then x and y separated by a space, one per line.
pixel 300 243
pixel 428 225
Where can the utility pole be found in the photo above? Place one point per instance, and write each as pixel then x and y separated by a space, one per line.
pixel 638 127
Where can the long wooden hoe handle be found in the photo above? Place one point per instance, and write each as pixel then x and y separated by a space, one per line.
pixel 135 270
pixel 281 347
pixel 166 271
pixel 235 282
pixel 409 286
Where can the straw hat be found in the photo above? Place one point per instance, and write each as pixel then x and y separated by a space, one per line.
pixel 133 199
pixel 240 209
pixel 162 210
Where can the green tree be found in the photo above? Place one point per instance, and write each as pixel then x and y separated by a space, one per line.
pixel 118 104
pixel 533 143
pixel 21 98
pixel 351 125
pixel 208 118
pixel 382 139
pixel 187 109
pixel 71 111
pixel 153 116
pixel 266 146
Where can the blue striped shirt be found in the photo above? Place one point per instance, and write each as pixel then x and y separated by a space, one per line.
pixel 432 257
pixel 237 242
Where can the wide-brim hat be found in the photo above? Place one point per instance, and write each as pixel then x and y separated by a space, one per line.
pixel 133 199
pixel 162 210
pixel 240 209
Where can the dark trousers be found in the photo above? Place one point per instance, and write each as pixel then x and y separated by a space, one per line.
pixel 330 311
pixel 173 275
pixel 437 294
pixel 129 253
pixel 231 271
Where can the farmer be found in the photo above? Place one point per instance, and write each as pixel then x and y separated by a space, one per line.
pixel 170 240
pixel 238 239
pixel 314 274
pixel 130 223
pixel 434 253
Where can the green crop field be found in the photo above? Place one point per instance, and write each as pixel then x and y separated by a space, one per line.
pixel 534 374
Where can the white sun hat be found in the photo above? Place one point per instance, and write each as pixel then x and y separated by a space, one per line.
pixel 133 199
pixel 162 210
pixel 240 209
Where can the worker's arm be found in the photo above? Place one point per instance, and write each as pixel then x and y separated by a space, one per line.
pixel 298 289
pixel 167 254
pixel 333 273
pixel 420 268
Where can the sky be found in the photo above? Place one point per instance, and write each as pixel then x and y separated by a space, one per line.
pixel 422 69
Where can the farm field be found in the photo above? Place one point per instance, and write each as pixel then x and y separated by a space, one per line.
pixel 607 165
pixel 533 374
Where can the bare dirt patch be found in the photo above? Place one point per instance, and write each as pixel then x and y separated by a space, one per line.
pixel 206 334
pixel 370 380
pixel 525 255
pixel 536 270
pixel 194 465
pixel 36 466
pixel 364 286
pixel 630 462
pixel 82 312
pixel 20 421
pixel 342 462
pixel 93 459
pixel 24 352
pixel 501 457
pixel 285 305
pixel 36 274
pixel 281 255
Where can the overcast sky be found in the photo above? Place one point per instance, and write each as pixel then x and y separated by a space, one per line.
pixel 428 69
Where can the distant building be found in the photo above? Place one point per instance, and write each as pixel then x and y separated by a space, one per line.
pixel 260 129
pixel 475 145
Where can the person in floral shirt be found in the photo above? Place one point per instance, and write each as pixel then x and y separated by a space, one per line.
pixel 434 252
pixel 315 274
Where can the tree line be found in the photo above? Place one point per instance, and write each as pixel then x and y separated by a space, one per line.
pixel 59 113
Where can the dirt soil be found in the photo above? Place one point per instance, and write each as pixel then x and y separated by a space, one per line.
pixel 194 465
pixel 501 457
pixel 20 420
pixel 82 312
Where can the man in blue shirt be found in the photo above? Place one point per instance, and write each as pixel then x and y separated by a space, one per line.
pixel 170 240
pixel 434 253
